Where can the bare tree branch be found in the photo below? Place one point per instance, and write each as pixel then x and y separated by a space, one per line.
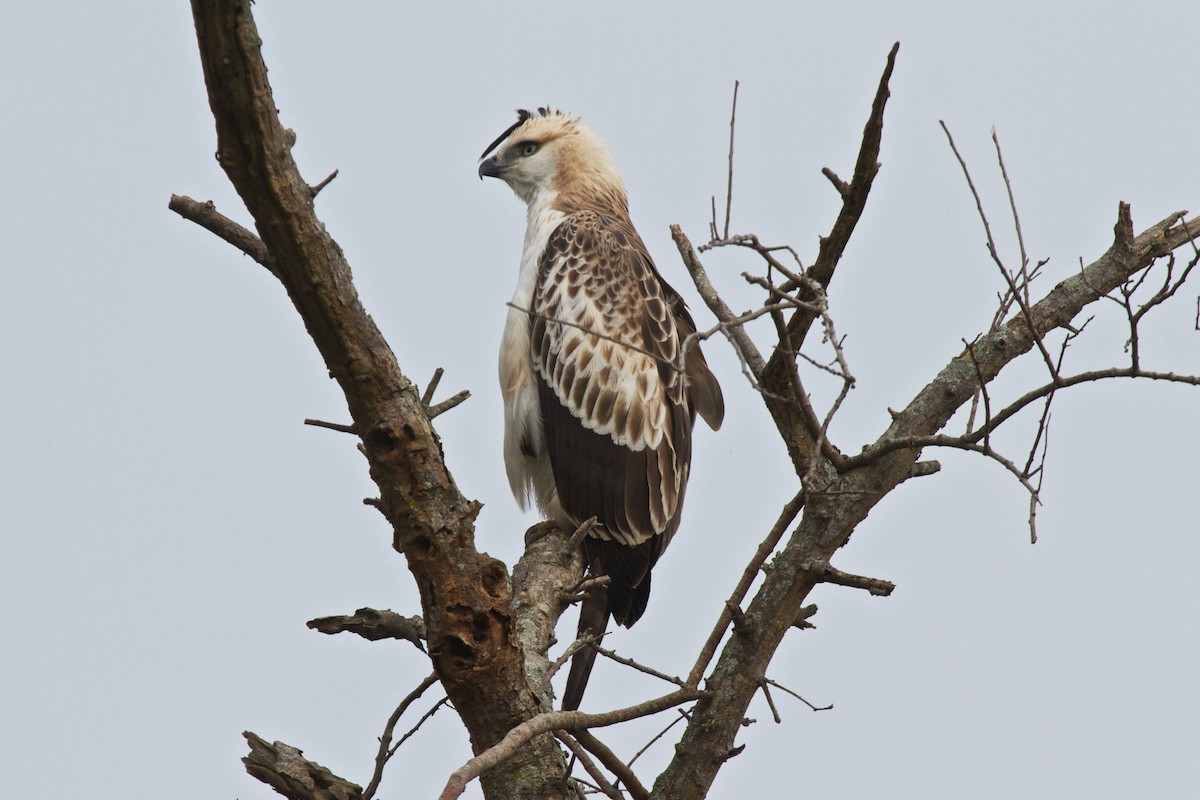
pixel 970 441
pixel 783 688
pixel 729 184
pixel 800 441
pixel 632 664
pixel 438 409
pixel 827 573
pixel 427 397
pixel 374 625
pixel 466 596
pixel 284 769
pixel 614 764
pixel 332 426
pixel 206 216
pixel 555 721
pixel 683 715
pixel 602 782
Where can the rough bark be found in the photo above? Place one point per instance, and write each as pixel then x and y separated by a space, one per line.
pixel 466 595
pixel 284 769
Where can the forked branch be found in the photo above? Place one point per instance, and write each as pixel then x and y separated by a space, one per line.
pixel 555 721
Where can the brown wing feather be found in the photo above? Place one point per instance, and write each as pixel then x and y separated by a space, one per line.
pixel 616 412
pixel 703 390
pixel 605 340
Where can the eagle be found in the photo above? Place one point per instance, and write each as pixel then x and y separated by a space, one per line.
pixel 601 384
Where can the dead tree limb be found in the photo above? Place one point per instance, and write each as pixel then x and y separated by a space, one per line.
pixel 284 769
pixel 832 511
pixel 511 745
pixel 373 625
pixel 469 616
pixel 843 494
pixel 787 416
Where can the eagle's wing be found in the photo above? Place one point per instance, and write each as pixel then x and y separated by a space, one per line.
pixel 615 407
pixel 616 410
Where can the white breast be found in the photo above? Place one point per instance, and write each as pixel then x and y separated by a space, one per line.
pixel 529 476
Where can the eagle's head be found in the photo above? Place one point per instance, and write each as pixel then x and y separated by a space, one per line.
pixel 549 155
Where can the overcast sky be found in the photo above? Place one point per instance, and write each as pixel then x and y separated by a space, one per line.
pixel 167 524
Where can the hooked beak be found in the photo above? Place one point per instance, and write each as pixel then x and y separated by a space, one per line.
pixel 489 168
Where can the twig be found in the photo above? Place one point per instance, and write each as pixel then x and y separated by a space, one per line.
pixel 803 616
pixel 735 323
pixel 1020 298
pixel 729 182
pixel 953 442
pixel 384 753
pixel 1012 204
pixel 629 662
pixel 682 716
pixel 433 411
pixel 589 766
pixel 796 278
pixel 206 216
pixel 781 296
pixel 427 398
pixel 830 452
pixel 1165 292
pixel 842 187
pixel 315 190
pixel 580 590
pixel 1035 497
pixel 571 650
pixel 1043 429
pixel 424 718
pixel 983 392
pixel 437 410
pixel 614 764
pixel 762 684
pixel 797 393
pixel 783 688
pixel 827 573
pixel 333 426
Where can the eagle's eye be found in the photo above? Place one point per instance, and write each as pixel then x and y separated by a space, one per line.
pixel 529 148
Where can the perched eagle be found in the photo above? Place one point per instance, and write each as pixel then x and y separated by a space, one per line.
pixel 598 404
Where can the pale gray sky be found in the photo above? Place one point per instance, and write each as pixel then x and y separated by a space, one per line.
pixel 167 524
